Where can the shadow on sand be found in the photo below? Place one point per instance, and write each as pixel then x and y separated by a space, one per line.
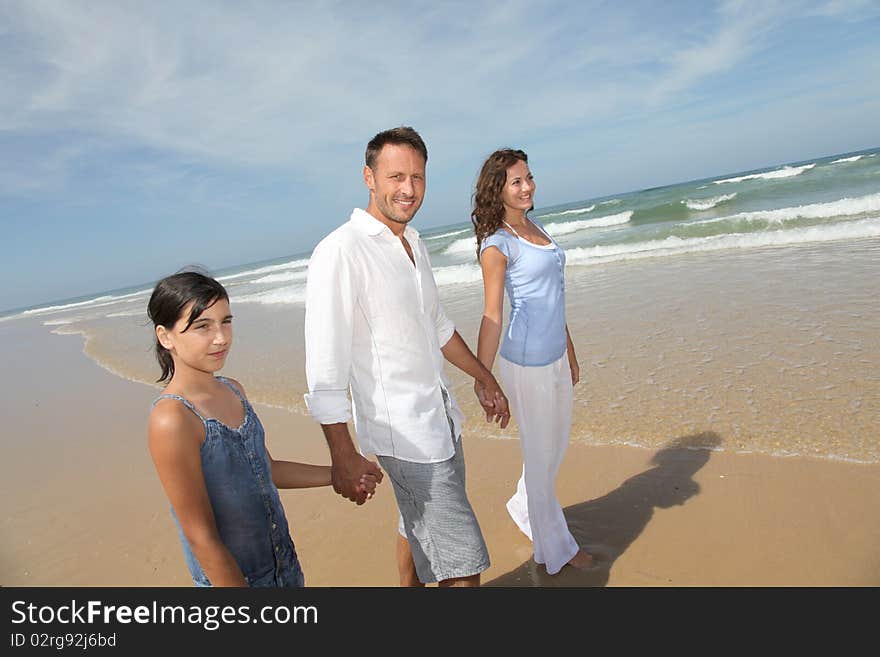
pixel 607 526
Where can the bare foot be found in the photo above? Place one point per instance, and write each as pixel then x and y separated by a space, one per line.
pixel 581 560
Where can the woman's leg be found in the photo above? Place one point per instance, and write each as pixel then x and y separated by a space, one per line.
pixel 562 432
pixel 536 400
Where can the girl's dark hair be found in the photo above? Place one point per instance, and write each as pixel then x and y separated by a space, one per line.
pixel 170 296
pixel 488 212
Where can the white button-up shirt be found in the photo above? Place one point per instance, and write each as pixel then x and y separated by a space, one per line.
pixel 374 324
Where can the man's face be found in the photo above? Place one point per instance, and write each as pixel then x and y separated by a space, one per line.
pixel 397 183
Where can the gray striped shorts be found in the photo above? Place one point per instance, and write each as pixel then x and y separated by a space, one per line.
pixel 436 517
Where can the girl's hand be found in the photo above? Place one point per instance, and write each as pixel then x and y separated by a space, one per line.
pixel 368 484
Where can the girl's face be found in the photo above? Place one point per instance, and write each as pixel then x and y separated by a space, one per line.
pixel 518 192
pixel 205 344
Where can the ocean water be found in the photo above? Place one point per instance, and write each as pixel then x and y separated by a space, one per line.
pixel 744 304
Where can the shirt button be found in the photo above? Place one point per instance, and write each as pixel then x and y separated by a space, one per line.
pixel 274 525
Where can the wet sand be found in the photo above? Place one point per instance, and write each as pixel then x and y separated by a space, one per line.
pixel 776 350
pixel 82 505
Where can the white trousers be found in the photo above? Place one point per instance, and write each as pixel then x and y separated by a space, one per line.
pixel 541 400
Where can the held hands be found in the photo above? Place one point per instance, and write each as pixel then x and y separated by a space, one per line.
pixel 355 477
pixel 368 484
pixel 493 401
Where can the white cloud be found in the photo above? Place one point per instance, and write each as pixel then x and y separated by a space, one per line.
pixel 847 9
pixel 741 32
pixel 224 84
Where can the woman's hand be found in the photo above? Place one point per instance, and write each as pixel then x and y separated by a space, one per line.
pixel 572 358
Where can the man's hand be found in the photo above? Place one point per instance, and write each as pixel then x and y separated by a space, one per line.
pixel 493 401
pixel 488 392
pixel 352 476
pixel 355 477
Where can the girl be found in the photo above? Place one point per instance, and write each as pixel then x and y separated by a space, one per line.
pixel 208 447
pixel 538 365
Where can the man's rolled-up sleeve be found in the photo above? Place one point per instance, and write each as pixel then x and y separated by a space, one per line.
pixel 330 303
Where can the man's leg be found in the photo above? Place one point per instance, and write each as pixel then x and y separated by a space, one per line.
pixel 443 542
pixel 406 567
pixel 473 580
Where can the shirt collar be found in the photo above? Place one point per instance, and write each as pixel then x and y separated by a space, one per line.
pixel 371 226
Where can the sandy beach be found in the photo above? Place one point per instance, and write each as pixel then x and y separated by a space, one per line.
pixel 709 169
pixel 82 505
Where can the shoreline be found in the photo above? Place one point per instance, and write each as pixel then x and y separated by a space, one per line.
pixel 781 454
pixel 83 506
pixel 778 364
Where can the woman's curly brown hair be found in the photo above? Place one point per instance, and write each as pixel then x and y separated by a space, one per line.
pixel 488 212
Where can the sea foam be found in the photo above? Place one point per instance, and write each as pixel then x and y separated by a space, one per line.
pixel 283 277
pixel 61 322
pixel 293 264
pixel 565 212
pixel 708 203
pixel 291 294
pixel 672 245
pixel 67 306
pixel 464 245
pixel 844 207
pixel 449 234
pixel 457 274
pixel 564 228
pixel 784 172
pixel 129 313
pixel 854 158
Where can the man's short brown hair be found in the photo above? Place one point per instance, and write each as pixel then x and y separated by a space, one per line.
pixel 404 135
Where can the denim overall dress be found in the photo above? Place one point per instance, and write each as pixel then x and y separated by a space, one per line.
pixel 245 501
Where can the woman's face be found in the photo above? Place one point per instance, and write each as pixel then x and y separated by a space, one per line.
pixel 518 192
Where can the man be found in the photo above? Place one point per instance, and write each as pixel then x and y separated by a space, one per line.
pixel 374 324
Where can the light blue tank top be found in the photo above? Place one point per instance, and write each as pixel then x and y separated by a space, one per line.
pixel 247 508
pixel 535 285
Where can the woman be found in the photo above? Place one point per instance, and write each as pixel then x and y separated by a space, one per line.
pixel 538 365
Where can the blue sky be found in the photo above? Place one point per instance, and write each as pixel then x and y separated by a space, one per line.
pixel 136 138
